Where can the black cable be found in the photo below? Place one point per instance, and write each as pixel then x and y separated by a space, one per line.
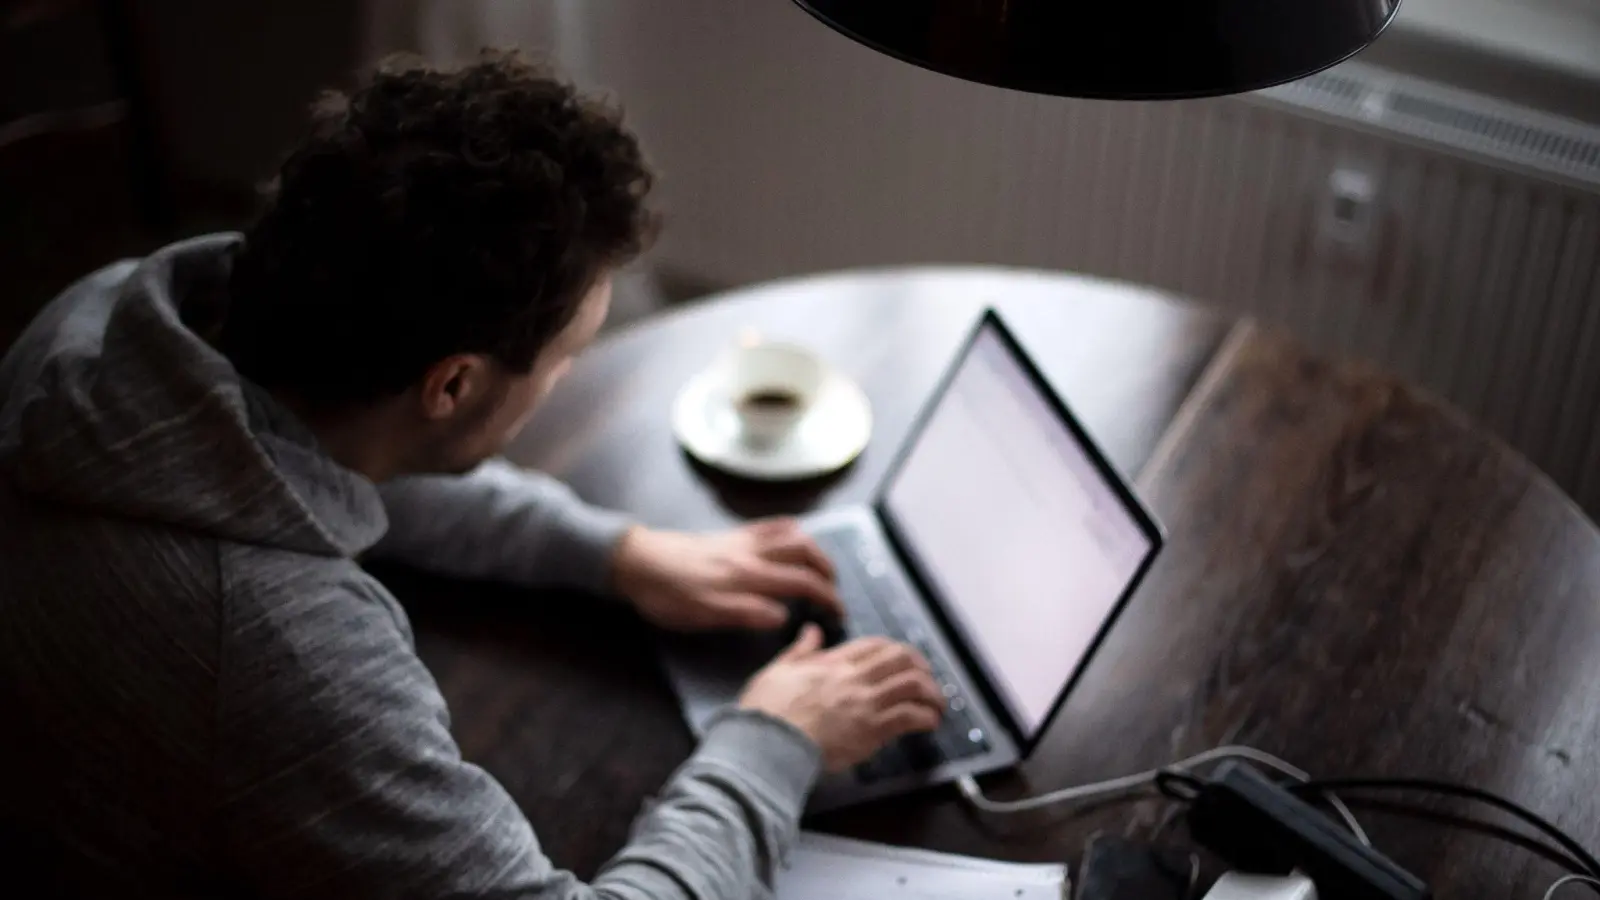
pixel 1177 785
pixel 1527 842
pixel 1427 785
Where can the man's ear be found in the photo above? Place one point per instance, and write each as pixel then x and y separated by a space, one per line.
pixel 452 384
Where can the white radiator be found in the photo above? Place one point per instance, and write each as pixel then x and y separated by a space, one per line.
pixel 1451 238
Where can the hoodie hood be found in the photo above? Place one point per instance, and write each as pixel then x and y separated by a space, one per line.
pixel 113 403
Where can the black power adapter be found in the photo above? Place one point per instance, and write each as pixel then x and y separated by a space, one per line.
pixel 1255 825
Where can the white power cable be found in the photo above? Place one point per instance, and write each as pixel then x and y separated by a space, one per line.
pixel 1128 783
pixel 1571 879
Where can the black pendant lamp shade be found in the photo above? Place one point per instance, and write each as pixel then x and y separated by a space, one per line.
pixel 1114 49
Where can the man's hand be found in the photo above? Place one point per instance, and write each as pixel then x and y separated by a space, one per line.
pixel 851 700
pixel 729 579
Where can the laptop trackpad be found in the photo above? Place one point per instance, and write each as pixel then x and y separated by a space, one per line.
pixel 709 670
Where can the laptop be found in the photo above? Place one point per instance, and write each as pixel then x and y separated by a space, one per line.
pixel 1002 543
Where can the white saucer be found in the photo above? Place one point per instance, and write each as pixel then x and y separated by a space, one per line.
pixel 831 434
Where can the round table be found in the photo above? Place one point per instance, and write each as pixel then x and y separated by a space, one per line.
pixel 1358 579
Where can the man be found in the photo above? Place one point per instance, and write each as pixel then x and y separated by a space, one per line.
pixel 203 694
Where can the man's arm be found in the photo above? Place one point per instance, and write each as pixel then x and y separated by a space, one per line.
pixel 340 779
pixel 502 523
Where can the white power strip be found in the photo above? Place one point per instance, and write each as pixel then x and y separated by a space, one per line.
pixel 1236 886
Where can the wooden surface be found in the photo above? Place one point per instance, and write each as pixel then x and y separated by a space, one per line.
pixel 1357 579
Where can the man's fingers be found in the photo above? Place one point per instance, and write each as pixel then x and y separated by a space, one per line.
pixel 774 525
pixel 782 538
pixel 892 658
pixel 861 648
pixel 752 611
pixel 799 549
pixel 910 686
pixel 807 643
pixel 778 580
pixel 906 718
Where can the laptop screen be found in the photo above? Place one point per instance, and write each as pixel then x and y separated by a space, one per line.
pixel 1018 527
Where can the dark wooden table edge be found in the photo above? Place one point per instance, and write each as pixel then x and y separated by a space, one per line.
pixel 743 292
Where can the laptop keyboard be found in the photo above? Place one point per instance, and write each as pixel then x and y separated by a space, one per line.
pixel 870 599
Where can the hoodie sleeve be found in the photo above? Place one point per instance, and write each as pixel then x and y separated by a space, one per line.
pixel 340 779
pixel 502 523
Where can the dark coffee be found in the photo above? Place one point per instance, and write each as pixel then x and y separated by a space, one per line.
pixel 771 400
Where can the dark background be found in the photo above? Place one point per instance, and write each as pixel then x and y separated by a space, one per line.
pixel 216 90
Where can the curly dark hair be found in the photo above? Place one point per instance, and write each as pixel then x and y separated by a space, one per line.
pixel 430 212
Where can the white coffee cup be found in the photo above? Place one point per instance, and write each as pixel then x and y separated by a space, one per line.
pixel 771 385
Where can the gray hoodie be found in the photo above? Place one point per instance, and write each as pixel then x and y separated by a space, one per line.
pixel 204 695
